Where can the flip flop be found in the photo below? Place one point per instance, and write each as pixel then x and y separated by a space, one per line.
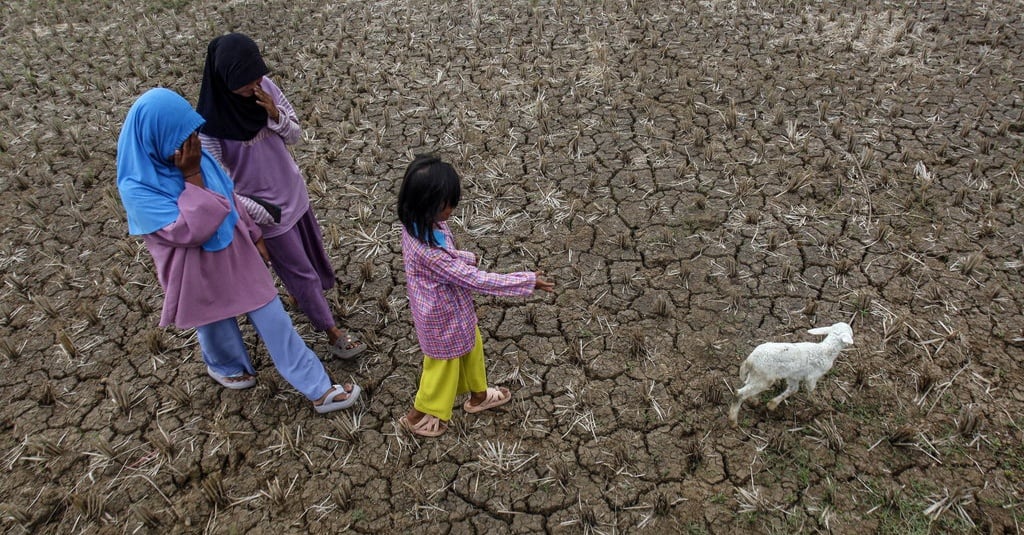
pixel 428 426
pixel 340 348
pixel 227 380
pixel 495 397
pixel 331 406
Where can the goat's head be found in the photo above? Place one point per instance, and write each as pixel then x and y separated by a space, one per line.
pixel 839 330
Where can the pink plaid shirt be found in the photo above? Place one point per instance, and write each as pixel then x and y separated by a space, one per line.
pixel 440 282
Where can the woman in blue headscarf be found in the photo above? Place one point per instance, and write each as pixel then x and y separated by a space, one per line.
pixel 209 255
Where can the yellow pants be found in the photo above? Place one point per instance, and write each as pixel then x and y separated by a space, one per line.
pixel 443 380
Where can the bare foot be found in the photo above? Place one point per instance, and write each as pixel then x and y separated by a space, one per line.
pixel 414 416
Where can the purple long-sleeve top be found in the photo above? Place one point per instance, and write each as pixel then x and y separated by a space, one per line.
pixel 200 286
pixel 440 282
pixel 263 167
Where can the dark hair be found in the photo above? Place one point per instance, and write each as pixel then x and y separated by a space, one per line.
pixel 428 187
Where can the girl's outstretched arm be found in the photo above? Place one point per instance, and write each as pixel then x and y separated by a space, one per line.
pixel 450 269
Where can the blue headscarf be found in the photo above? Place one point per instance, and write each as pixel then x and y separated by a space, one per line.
pixel 150 184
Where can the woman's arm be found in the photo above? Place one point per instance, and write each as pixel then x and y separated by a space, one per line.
pixel 260 214
pixel 248 222
pixel 201 213
pixel 212 146
pixel 286 124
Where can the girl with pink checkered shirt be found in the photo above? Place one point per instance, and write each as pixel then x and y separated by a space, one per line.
pixel 440 280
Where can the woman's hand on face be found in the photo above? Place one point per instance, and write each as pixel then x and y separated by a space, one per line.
pixel 265 100
pixel 187 158
pixel 543 283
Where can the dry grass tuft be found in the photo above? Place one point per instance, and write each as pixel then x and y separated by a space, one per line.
pixel 662 505
pixel 780 443
pixel 212 488
pixel 971 263
pixel 67 344
pixel 637 341
pixel 44 304
pixel 45 448
pixel 578 353
pixel 180 394
pixel 500 459
pixel 48 396
pixel 349 425
pixel 712 393
pixel 277 495
pixel 164 443
pixel 121 397
pixel 828 434
pixel 731 115
pixel 752 501
pixel 366 271
pixel 155 341
pixel 957 500
pixel 342 497
pixel 586 519
pixel 904 436
pixel 560 472
pixel 693 455
pixel 796 182
pixel 530 315
pixel 146 515
pixel 968 422
pixel 624 241
pixel 20 515
pixel 89 504
pixel 860 379
pixel 925 382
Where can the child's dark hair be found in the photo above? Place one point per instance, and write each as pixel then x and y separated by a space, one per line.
pixel 428 187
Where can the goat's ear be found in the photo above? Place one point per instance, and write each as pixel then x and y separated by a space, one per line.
pixel 820 330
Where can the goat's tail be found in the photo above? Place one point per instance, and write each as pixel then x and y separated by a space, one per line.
pixel 744 370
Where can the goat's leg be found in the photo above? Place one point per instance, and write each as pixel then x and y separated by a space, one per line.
pixel 734 412
pixel 751 389
pixel 792 385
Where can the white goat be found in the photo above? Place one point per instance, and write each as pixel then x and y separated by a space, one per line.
pixel 803 361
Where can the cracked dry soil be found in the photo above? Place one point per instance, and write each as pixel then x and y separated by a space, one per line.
pixel 698 177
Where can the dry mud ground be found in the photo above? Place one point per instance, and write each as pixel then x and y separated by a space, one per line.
pixel 698 178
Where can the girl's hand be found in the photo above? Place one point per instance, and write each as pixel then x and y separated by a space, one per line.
pixel 542 283
pixel 262 248
pixel 265 100
pixel 187 159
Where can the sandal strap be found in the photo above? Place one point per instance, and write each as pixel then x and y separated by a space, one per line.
pixel 428 423
pixel 493 394
pixel 336 391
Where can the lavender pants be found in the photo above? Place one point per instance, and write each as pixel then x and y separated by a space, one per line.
pixel 224 350
pixel 300 261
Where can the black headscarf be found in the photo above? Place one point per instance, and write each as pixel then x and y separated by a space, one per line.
pixel 232 61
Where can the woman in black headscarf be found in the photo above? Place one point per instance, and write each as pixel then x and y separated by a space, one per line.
pixel 249 124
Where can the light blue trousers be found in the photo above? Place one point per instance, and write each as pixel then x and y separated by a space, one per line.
pixel 224 350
